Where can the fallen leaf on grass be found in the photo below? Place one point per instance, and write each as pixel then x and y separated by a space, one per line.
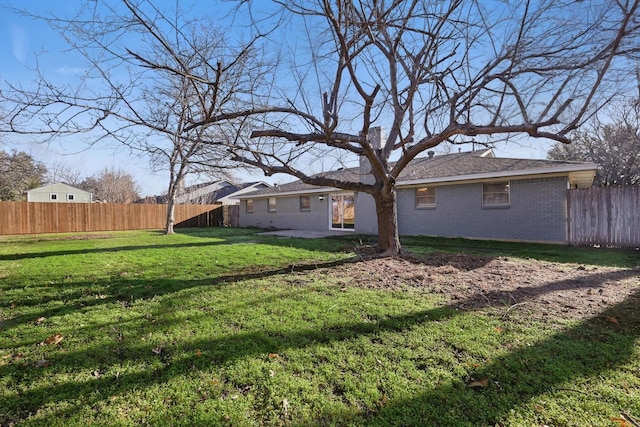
pixel 612 319
pixel 54 339
pixel 42 363
pixel 383 401
pixel 5 359
pixel 198 353
pixel 39 320
pixel 620 421
pixel 481 383
pixel 157 350
pixel 273 355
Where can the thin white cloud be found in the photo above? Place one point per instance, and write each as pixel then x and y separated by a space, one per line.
pixel 70 70
pixel 19 42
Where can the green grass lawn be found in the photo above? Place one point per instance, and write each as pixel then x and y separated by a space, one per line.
pixel 226 327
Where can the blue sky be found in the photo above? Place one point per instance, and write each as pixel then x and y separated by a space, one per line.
pixel 24 41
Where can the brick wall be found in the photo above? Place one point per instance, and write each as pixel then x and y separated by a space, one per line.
pixel 288 214
pixel 537 212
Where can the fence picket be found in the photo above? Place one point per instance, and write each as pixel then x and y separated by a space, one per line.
pixel 39 217
pixel 606 216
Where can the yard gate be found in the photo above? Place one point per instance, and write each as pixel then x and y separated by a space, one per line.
pixel 605 216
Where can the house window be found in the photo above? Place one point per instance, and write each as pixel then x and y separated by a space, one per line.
pixel 425 197
pixel 271 206
pixel 305 203
pixel 53 197
pixel 249 206
pixel 71 197
pixel 495 194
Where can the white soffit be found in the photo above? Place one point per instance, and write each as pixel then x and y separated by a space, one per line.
pixel 582 179
pixel 583 168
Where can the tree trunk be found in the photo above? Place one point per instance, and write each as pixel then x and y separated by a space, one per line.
pixel 171 203
pixel 387 212
pixel 176 187
pixel 170 216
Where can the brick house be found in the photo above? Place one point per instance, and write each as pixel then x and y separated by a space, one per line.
pixel 471 194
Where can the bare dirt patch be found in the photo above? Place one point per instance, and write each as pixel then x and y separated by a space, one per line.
pixel 544 290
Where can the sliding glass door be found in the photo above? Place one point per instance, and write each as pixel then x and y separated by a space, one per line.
pixel 343 214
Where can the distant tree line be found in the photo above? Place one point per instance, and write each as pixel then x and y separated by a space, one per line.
pixel 20 172
pixel 613 142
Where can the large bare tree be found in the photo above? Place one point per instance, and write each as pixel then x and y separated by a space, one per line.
pixel 201 75
pixel 431 72
pixel 149 73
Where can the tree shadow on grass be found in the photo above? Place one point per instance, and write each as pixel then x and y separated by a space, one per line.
pixel 602 256
pixel 82 251
pixel 513 380
pixel 125 291
pixel 211 240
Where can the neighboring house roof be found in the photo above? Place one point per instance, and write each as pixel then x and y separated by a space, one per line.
pixel 211 192
pixel 206 193
pixel 457 167
pixel 58 185
pixel 234 198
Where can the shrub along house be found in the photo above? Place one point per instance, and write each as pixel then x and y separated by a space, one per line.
pixel 472 194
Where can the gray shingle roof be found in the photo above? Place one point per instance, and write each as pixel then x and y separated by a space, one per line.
pixel 350 174
pixel 481 163
pixel 473 163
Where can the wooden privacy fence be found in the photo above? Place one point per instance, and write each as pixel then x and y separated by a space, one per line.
pixel 605 216
pixel 35 218
pixel 231 215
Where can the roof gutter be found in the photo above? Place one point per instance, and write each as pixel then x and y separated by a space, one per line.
pixel 587 169
pixel 501 175
pixel 315 190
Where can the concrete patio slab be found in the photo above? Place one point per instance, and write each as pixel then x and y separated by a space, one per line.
pixel 307 234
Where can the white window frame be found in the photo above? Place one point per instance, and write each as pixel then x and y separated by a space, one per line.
pixel 53 197
pixel 305 207
pixel 272 207
pixel 491 197
pixel 249 206
pixel 422 204
pixel 71 197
